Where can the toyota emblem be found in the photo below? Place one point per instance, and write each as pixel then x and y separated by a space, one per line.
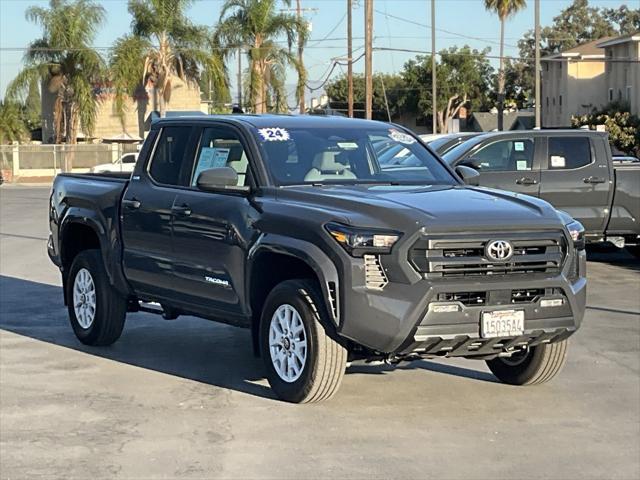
pixel 499 250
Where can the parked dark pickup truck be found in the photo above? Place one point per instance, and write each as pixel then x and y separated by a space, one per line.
pixel 290 226
pixel 571 169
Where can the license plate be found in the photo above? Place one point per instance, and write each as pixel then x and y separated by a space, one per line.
pixel 503 323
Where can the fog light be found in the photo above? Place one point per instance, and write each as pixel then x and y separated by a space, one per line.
pixel 553 302
pixel 445 308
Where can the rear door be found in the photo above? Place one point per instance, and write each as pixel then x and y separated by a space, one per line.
pixel 147 212
pixel 576 180
pixel 507 164
pixel 212 231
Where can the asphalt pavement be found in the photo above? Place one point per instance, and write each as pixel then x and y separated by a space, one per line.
pixel 186 399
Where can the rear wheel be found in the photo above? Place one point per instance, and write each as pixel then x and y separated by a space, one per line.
pixel 96 310
pixel 304 362
pixel 535 365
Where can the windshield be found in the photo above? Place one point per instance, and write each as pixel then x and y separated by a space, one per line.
pixel 349 156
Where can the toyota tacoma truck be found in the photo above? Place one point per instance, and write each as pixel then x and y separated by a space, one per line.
pixel 291 227
pixel 572 169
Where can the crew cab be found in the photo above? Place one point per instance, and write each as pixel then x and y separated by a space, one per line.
pixel 291 227
pixel 571 169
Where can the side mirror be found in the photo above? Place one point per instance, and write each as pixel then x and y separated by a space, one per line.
pixel 471 163
pixel 215 179
pixel 468 175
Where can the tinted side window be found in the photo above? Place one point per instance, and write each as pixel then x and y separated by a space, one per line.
pixel 221 147
pixel 505 156
pixel 169 155
pixel 569 152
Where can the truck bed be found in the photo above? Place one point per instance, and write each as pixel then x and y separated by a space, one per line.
pixel 625 210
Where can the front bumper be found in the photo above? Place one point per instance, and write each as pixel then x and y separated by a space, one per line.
pixel 400 318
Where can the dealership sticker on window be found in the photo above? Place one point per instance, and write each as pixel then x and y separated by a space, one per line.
pixel 274 134
pixel 400 137
pixel 557 161
pixel 518 146
pixel 522 165
pixel 348 145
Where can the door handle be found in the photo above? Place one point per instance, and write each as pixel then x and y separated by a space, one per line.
pixel 184 210
pixel 526 181
pixel 132 204
pixel 593 179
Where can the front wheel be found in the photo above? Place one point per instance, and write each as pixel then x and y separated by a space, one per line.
pixel 304 362
pixel 96 310
pixel 535 365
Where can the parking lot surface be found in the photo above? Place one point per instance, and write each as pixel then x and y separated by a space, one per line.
pixel 186 398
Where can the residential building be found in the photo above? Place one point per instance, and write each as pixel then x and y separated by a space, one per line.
pixel 573 83
pixel 622 70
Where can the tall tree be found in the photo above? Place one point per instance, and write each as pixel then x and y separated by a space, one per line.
pixel 463 76
pixel 66 64
pixel 163 45
pixel 256 26
pixel 504 9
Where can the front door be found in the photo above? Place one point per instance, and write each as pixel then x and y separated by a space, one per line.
pixel 147 214
pixel 212 231
pixel 577 181
pixel 508 164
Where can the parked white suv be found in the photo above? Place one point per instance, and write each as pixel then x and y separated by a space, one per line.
pixel 124 164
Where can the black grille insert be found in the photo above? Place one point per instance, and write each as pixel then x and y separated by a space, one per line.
pixel 466 298
pixel 464 255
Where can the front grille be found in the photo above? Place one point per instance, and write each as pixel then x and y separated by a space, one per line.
pixel 464 255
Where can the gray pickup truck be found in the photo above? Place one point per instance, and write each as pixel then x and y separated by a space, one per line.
pixel 571 169
pixel 292 227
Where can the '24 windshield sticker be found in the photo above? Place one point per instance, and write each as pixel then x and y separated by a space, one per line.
pixel 274 134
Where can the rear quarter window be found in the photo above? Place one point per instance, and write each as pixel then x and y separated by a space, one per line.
pixel 566 153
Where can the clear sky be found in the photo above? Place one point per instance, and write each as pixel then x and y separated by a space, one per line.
pixel 456 21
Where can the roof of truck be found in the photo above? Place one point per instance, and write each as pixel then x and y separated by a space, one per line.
pixel 283 121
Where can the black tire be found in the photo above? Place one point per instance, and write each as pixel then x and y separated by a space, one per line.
pixel 110 307
pixel 326 358
pixel 635 251
pixel 538 365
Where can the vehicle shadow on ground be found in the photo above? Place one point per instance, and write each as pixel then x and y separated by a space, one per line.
pixel 189 348
pixel 613 256
pixel 363 368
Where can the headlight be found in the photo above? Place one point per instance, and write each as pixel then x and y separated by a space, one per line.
pixel 576 230
pixel 358 241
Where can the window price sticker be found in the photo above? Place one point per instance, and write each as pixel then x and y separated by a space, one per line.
pixel 274 134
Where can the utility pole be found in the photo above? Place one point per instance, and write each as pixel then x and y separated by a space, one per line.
pixel 368 58
pixel 434 106
pixel 240 78
pixel 349 59
pixel 537 65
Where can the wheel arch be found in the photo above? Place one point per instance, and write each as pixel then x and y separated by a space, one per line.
pixel 274 259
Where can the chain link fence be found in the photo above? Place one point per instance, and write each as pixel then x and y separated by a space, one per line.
pixel 41 163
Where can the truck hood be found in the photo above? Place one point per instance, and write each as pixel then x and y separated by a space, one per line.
pixel 435 207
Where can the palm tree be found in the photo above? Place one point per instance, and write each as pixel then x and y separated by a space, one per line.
pixel 65 63
pixel 164 45
pixel 256 26
pixel 504 9
pixel 12 126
